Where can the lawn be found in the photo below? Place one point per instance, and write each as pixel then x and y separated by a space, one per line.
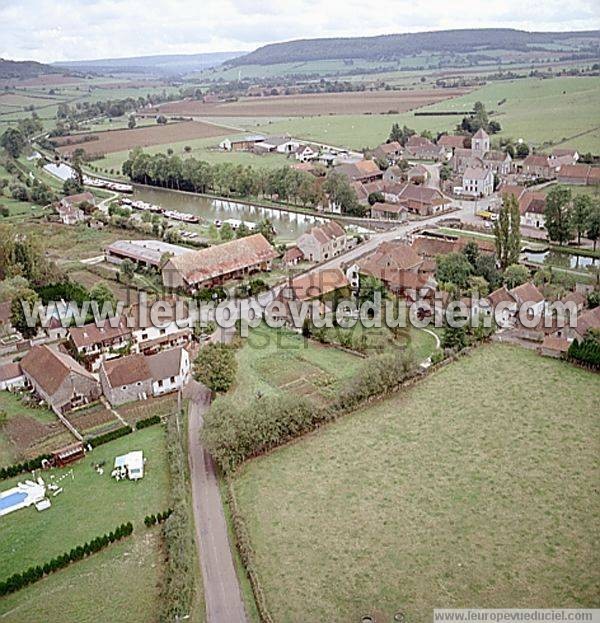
pixel 90 504
pixel 476 487
pixel 117 584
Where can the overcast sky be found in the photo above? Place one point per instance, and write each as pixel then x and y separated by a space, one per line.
pixel 51 30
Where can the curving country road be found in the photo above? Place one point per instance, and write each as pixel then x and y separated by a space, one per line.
pixel 222 594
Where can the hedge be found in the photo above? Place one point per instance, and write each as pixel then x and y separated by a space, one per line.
pixel 178 585
pixel 233 434
pixel 19 580
pixel 586 352
pixel 152 520
pixel 26 466
pixel 149 421
pixel 110 436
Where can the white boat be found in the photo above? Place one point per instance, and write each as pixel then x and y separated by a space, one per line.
pixel 181 216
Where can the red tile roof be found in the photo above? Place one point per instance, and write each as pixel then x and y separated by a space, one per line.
pixel 317 283
pixel 127 370
pixel 527 293
pixel 199 266
pixel 91 333
pixel 49 368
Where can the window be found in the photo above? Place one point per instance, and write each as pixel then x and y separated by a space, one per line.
pixel 172 379
pixel 160 383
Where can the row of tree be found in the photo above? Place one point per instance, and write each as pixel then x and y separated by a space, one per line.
pixel 228 179
pixel 19 580
pixel 568 217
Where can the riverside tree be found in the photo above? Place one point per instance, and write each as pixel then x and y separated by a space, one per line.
pixel 507 232
pixel 559 222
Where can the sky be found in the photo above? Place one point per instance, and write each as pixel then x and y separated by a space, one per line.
pixel 51 30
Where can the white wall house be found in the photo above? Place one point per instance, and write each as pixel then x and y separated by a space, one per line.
pixel 170 370
pixel 478 182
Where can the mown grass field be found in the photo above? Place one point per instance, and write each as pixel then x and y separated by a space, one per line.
pixel 476 487
pixel 536 110
pixel 89 506
pixel 117 584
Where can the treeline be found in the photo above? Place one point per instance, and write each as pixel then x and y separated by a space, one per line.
pixel 152 520
pixel 19 580
pixel 284 184
pixel 397 46
pixel 586 352
pixel 233 434
pixel 178 586
pixel 26 466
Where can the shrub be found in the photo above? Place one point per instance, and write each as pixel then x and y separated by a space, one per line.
pixel 216 366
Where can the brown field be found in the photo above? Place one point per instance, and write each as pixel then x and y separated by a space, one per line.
pixel 375 102
pixel 30 437
pixel 42 81
pixel 121 140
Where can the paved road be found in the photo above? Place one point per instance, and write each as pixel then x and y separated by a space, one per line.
pixel 222 594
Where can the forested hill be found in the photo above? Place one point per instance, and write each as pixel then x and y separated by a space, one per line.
pixel 24 69
pixel 393 47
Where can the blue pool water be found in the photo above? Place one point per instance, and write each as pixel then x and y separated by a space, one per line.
pixel 12 500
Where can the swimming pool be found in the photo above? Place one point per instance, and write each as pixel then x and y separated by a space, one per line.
pixel 12 499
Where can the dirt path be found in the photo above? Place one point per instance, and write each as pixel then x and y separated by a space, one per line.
pixel 224 603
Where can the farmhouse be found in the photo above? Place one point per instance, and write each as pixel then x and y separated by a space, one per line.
pixel 11 376
pixel 389 211
pixel 393 174
pixel 144 253
pixel 170 370
pixel 450 142
pixel 214 265
pixel 478 182
pixel 560 157
pixel 58 379
pixel 322 242
pixel 313 285
pixel 504 305
pixel 422 148
pixel 279 144
pixel 528 294
pixel 391 152
pixel 417 174
pixel 94 342
pixel 68 208
pixel 138 376
pixel 126 379
pixel 245 143
pixel 362 171
pixel 531 206
pixel 538 166
pixel 304 153
pixel 420 199
pixel 573 174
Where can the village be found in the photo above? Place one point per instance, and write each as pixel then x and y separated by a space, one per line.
pixel 306 344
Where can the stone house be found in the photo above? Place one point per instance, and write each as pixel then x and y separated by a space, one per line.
pixel 58 379
pixel 94 342
pixel 126 379
pixel 322 242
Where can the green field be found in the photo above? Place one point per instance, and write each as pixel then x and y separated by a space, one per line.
pixel 275 361
pixel 536 110
pixel 202 149
pixel 476 487
pixel 117 584
pixel 89 506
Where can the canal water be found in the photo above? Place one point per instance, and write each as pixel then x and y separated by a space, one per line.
pixel 562 260
pixel 288 225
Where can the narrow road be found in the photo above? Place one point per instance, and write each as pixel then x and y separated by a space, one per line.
pixel 222 594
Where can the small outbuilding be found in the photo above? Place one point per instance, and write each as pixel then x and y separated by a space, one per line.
pixel 130 465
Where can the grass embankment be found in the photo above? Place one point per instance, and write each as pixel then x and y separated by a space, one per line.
pixel 474 487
